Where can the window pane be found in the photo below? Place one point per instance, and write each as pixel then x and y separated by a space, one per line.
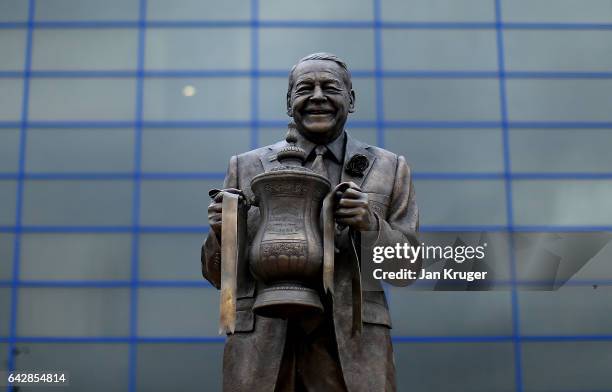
pixel 438 10
pixel 365 135
pixel 562 202
pixel 6 256
pixel 180 367
pixel 439 50
pixel 10 99
pixel 461 202
pixel 583 150
pixel 441 99
pixel 198 10
pixel 282 48
pixel 5 310
pixel 183 202
pixel 596 11
pixel 85 49
pixel 81 256
pixel 192 150
pixel 559 100
pixel 599 267
pixel 87 10
pixel 73 312
pixel 8 196
pixel 82 99
pixel 178 312
pixel 220 49
pixel 77 202
pixel 9 150
pixel 213 99
pixel 91 367
pixel 12 47
pixel 316 10
pixel 13 11
pixel 171 256
pixel 448 150
pixel 80 150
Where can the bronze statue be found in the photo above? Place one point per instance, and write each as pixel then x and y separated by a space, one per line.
pixel 296 316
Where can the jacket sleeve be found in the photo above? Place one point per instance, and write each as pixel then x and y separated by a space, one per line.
pixel 211 249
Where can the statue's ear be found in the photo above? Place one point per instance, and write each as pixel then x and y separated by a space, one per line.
pixel 352 101
pixel 289 110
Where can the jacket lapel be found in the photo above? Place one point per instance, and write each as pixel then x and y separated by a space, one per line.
pixel 354 147
pixel 268 158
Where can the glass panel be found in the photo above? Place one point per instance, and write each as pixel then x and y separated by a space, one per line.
pixel 13 11
pixel 461 202
pixel 73 312
pixel 316 10
pixel 567 366
pixel 365 135
pixel 192 150
pixel 198 10
pixel 5 311
pixel 197 99
pixel 77 202
pixel 10 99
pixel 7 242
pixel 438 10
pixel 85 49
pixel 468 367
pixel 441 99
pixel 80 150
pixel 580 150
pixel 8 196
pixel 91 367
pixel 598 268
pixel 448 150
pixel 559 100
pixel 9 150
pixel 439 50
pixel 174 203
pixel 562 202
pixel 282 48
pixel 220 49
pixel 12 47
pixel 82 99
pixel 171 256
pixel 87 9
pixel 180 367
pixel 81 256
pixel 596 11
pixel 178 312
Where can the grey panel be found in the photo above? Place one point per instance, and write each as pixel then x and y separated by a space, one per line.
pixel 209 48
pixel 299 10
pixel 10 99
pixel 85 49
pixel 7 242
pixel 198 10
pixel 77 202
pixel 9 150
pixel 12 47
pixel 73 312
pixel 567 366
pixel 558 50
pixel 365 135
pixel 559 100
pixel 91 367
pixel 82 99
pixel 282 48
pixel 561 150
pixel 448 150
pixel 82 256
pixel 13 10
pixel 450 313
pixel 178 312
pixel 562 202
pixel 438 10
pixel 567 311
pixel 5 310
pixel 213 99
pixel 465 367
pixel 180 367
pixel 192 150
pixel 461 202
pixel 441 99
pixel 598 268
pixel 87 10
pixel 439 49
pixel 80 150
pixel 172 203
pixel 596 11
pixel 171 256
pixel 8 196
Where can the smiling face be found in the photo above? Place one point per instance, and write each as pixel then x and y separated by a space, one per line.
pixel 320 99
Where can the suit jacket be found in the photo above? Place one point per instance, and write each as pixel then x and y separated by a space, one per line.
pixel 253 354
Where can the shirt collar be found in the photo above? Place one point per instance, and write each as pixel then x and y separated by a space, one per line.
pixel 336 146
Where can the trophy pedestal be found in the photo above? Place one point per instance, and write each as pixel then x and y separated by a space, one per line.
pixel 287 300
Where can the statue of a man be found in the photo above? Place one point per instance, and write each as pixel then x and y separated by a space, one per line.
pixel 321 352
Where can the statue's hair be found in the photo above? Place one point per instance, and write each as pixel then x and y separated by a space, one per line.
pixel 326 57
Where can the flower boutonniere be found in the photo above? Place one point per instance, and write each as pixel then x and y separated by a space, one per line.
pixel 357 165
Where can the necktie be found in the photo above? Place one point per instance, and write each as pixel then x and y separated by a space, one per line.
pixel 318 166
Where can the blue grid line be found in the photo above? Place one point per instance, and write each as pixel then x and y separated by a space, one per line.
pixel 254 130
pixel 378 67
pixel 19 197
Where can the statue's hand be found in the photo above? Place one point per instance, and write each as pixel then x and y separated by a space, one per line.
pixel 353 209
pixel 215 209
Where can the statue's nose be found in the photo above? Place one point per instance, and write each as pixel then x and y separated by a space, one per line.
pixel 317 94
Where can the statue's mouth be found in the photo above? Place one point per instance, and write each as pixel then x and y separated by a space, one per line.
pixel 319 111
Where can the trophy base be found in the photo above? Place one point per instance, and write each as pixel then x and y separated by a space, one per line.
pixel 287 300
